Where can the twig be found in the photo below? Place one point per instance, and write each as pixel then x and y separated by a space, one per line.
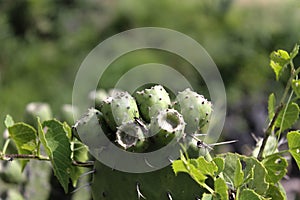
pixel 268 132
pixel 24 156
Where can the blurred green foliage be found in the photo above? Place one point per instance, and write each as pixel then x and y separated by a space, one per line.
pixel 44 42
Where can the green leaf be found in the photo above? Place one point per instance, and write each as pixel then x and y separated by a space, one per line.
pixel 220 162
pixel 288 115
pixel 274 192
pixel 276 167
pixel 79 153
pixel 24 136
pixel 248 194
pixel 206 196
pixel 255 169
pixel 271 106
pixel 294 52
pixel 238 174
pixel 42 137
pixel 60 152
pixel 221 188
pixel 179 166
pixel 8 121
pixel 293 138
pixel 233 170
pixel 207 168
pixel 296 87
pixel 279 60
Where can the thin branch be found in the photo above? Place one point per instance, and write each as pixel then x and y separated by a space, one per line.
pixel 23 156
pixel 268 132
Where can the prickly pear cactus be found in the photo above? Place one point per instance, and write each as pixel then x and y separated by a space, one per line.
pixel 196 110
pixel 151 101
pixel 158 125
pixel 165 126
pixel 161 184
pixel 119 109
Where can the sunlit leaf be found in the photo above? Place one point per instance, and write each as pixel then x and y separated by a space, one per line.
pixel 279 60
pixel 274 192
pixel 24 136
pixel 221 188
pixel 220 164
pixel 293 138
pixel 60 152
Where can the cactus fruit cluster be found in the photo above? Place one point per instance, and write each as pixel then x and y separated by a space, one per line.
pixel 148 120
pixel 144 122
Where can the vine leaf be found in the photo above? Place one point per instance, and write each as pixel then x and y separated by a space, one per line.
pixel 24 136
pixel 287 116
pixel 220 164
pixel 279 60
pixel 249 194
pixel 206 196
pixel 293 138
pixel 296 87
pixel 271 106
pixel 276 168
pixel 54 138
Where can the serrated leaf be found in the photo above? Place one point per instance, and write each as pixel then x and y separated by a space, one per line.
pixel 271 106
pixel 294 52
pixel 221 188
pixel 58 143
pixel 80 153
pixel 207 168
pixel 24 136
pixel 220 164
pixel 287 116
pixel 68 130
pixel 279 60
pixel 296 87
pixel 276 167
pixel 248 194
pixel 258 182
pixel 179 166
pixel 274 192
pixel 8 121
pixel 293 138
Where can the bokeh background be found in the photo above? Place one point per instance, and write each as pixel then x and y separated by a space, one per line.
pixel 43 42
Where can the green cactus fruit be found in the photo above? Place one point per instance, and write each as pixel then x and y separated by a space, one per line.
pixel 37 109
pixel 68 112
pixel 96 97
pixel 196 110
pixel 165 126
pixel 119 109
pixel 151 101
pixel 109 184
pixel 131 137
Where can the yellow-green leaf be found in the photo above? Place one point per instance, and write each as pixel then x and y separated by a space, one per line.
pixel 293 138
